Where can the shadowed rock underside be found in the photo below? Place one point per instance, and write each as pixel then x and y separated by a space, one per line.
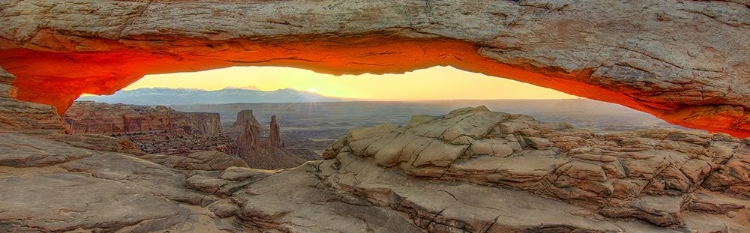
pixel 683 61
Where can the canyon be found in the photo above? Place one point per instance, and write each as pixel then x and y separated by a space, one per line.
pixel 153 129
pixel 468 170
pixel 162 130
pixel 471 170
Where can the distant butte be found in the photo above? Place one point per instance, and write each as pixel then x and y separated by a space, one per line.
pixel 264 154
pixel 683 61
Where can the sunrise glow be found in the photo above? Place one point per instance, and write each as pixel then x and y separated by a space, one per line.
pixel 436 83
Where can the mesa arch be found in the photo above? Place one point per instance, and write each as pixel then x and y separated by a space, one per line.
pixel 683 61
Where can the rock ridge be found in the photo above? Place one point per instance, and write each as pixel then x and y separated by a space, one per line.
pixel 157 129
pixel 500 173
pixel 649 175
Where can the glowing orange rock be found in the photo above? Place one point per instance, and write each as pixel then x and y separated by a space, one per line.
pixel 686 68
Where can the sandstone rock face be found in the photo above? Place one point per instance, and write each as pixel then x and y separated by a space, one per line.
pixel 154 130
pixel 17 116
pixel 203 123
pixel 29 117
pixel 103 118
pixel 250 137
pixel 261 153
pixel 684 61
pixel 274 135
pixel 203 160
pixel 471 170
pixel 96 142
pixel 245 117
pixel 59 188
pixel 6 78
pixel 648 175
pixel 8 91
pixel 266 157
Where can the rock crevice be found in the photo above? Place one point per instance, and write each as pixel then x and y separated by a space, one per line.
pixel 649 175
pixel 510 173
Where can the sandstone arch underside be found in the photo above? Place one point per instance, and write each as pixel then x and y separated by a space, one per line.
pixel 683 61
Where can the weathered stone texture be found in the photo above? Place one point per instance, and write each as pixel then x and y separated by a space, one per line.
pixel 153 130
pixel 684 61
pixel 387 179
pixel 648 175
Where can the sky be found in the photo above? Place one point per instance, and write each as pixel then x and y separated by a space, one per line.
pixel 436 83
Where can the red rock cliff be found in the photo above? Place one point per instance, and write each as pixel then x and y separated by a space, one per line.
pixel 204 123
pixel 245 117
pixel 274 137
pixel 102 118
pixel 154 130
pixel 264 154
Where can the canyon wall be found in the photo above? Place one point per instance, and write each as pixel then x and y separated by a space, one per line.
pixel 154 129
pixel 683 61
pixel 470 170
pixel 103 118
pixel 202 123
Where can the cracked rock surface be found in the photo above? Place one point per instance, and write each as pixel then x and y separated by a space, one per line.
pixel 97 191
pixel 656 176
pixel 471 170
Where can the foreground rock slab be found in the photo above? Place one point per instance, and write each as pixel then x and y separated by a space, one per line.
pixel 471 170
pixel 85 190
pixel 649 175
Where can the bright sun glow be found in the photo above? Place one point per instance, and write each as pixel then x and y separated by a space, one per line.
pixel 436 83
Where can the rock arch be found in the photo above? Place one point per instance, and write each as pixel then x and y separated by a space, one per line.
pixel 683 61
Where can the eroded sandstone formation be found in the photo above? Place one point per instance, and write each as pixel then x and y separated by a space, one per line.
pixel 103 118
pixel 245 117
pixel 683 61
pixel 274 134
pixel 263 152
pixel 18 115
pixel 471 170
pixel 202 123
pixel 154 130
pixel 249 139
pixel 664 177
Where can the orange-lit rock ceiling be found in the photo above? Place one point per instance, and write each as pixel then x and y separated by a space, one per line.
pixel 685 62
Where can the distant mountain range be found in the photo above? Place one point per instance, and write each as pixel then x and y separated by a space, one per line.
pixel 170 96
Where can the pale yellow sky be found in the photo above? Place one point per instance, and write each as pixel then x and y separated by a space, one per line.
pixel 436 83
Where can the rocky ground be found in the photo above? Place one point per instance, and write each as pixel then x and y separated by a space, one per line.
pixel 471 170
pixel 162 130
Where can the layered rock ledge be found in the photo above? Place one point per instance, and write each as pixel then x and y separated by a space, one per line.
pixel 659 176
pixel 683 61
pixel 471 170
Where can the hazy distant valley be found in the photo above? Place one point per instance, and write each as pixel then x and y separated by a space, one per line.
pixel 307 124
pixel 316 125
